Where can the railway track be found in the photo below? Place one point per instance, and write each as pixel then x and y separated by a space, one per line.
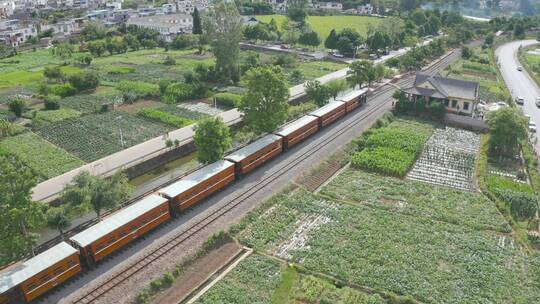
pixel 141 263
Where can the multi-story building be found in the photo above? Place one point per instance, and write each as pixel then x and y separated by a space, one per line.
pixel 365 9
pixel 7 8
pixel 16 37
pixel 168 26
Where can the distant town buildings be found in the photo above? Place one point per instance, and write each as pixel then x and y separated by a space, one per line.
pixel 168 26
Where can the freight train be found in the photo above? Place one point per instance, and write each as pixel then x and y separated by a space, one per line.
pixel 27 280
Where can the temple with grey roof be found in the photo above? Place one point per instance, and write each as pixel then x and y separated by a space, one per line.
pixel 458 96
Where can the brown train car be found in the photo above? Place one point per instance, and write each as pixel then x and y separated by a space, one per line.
pixel 256 153
pixel 198 185
pixel 354 99
pixel 115 231
pixel 329 113
pixel 298 130
pixel 27 280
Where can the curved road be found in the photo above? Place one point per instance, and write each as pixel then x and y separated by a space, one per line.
pixel 520 83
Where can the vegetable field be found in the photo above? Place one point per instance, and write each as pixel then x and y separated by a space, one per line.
pixel 45 159
pixel 403 250
pixel 288 286
pixel 393 149
pixel 448 159
pixel 97 135
pixel 252 281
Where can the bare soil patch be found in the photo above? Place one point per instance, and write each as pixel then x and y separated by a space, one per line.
pixel 134 107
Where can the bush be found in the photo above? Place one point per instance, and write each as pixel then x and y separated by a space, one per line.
pixel 164 117
pixel 84 81
pixel 436 110
pixel 52 102
pixel 63 90
pixel 168 279
pixel 169 60
pixel 178 92
pixel 228 99
pixel 17 105
pixel 184 42
pixel 156 284
pixel 177 271
pixel 296 111
pixel 143 298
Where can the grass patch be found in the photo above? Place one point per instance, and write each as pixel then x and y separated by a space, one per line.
pixel 49 116
pixel 282 293
pixel 164 117
pixel 44 158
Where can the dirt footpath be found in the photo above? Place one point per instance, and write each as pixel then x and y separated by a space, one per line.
pixel 198 273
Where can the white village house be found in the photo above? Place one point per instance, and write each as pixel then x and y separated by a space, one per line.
pixel 168 26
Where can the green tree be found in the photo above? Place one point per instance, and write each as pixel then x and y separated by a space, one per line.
pixel 359 72
pixel 466 52
pixel 297 10
pixel 19 213
pixel 223 26
pixel 97 48
pixel 58 219
pixel 63 50
pixel 507 128
pixel 336 86
pixel 266 101
pixel 92 31
pixel 408 5
pixel 519 30
pixel 523 206
pixel 331 40
pixel 98 193
pixel 197 25
pixel 212 139
pixel 53 73
pixel 17 105
pixel 317 92
pixel 309 38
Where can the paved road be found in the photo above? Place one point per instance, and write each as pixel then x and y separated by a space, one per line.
pixel 120 260
pixel 519 83
pixel 48 190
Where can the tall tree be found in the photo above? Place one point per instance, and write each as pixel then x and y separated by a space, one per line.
pixel 507 128
pixel 266 101
pixel 331 40
pixel 317 92
pixel 309 38
pixel 212 138
pixel 359 72
pixel 63 50
pixel 98 193
pixel 223 26
pixel 336 86
pixel 58 218
pixel 197 25
pixel 18 213
pixel 297 10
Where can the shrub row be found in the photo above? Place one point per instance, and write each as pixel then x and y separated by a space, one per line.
pixel 228 99
pixel 134 90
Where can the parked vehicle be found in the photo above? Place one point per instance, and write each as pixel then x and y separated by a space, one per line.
pixel 520 100
pixel 27 280
pixel 532 127
pixel 537 102
pixel 520 68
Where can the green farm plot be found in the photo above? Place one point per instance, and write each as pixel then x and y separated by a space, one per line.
pixel 417 199
pixel 324 24
pixel 92 102
pixel 393 149
pixel 29 78
pixel 312 69
pixel 431 260
pixel 98 135
pixel 252 281
pixel 44 158
pixel 52 115
pixel 29 61
pixel 182 112
pixel 274 282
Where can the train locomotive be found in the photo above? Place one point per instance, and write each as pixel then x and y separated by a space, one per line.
pixel 27 280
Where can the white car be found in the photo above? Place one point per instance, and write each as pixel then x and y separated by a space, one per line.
pixel 537 102
pixel 520 68
pixel 528 117
pixel 532 127
pixel 520 100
